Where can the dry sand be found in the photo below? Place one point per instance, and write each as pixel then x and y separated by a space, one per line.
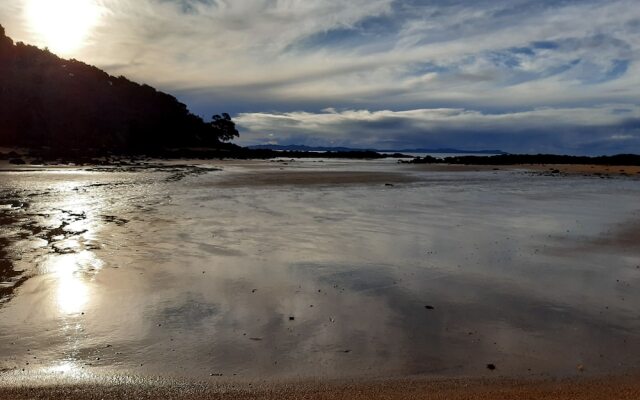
pixel 619 388
pixel 569 169
pixel 586 169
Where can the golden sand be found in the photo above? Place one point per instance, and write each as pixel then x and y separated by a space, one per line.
pixel 619 388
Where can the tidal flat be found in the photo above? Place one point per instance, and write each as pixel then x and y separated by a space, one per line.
pixel 276 272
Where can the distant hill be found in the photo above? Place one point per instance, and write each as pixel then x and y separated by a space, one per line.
pixel 47 101
pixel 294 147
pixel 343 149
pixel 450 151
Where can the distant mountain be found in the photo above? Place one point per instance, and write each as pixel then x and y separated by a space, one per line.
pixel 47 101
pixel 343 149
pixel 449 151
pixel 294 147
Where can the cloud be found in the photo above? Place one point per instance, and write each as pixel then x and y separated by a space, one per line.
pixel 570 130
pixel 249 56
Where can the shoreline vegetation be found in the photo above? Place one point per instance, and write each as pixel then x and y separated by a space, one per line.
pixel 532 159
pixel 98 157
pixel 229 151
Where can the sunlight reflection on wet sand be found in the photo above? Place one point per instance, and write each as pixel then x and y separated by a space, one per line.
pixel 435 277
pixel 73 293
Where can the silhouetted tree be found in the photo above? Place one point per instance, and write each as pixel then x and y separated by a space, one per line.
pixel 224 127
pixel 6 44
pixel 66 104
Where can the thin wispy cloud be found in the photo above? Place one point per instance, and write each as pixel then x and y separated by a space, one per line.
pixel 264 60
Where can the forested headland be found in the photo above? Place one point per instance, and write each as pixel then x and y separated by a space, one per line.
pixel 47 102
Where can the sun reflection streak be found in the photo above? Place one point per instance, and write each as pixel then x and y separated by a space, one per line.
pixel 65 367
pixel 68 369
pixel 74 262
pixel 72 267
pixel 73 293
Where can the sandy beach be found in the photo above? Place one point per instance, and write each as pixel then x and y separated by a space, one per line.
pixel 587 170
pixel 566 169
pixel 308 279
pixel 319 199
pixel 611 388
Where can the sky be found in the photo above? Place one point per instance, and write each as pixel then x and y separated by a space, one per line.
pixel 518 75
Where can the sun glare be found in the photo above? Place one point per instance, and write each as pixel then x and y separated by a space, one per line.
pixel 73 293
pixel 62 25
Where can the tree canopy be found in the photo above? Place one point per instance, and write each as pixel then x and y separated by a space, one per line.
pixel 47 101
pixel 224 127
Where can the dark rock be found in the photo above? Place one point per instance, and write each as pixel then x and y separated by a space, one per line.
pixel 491 367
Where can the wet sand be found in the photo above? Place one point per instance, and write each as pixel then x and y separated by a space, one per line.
pixel 246 274
pixel 610 388
pixel 312 178
pixel 288 174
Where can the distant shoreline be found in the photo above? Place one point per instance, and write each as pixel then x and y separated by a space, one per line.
pixel 107 157
pixel 520 159
pixel 111 157
pixel 418 150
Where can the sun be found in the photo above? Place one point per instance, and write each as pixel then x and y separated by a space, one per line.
pixel 62 25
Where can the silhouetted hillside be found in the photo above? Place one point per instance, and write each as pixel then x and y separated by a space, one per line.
pixel 46 101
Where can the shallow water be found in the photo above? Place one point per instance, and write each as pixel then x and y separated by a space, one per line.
pixel 155 272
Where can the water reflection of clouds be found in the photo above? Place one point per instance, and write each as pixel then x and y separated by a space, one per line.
pixel 499 297
pixel 366 318
pixel 214 291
